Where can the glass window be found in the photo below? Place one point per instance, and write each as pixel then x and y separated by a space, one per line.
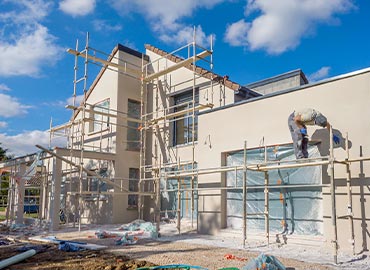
pixel 133 186
pixel 183 127
pixel 101 121
pixel 133 133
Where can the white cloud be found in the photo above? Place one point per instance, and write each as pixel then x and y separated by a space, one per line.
pixel 236 33
pixel 4 87
pixel 26 45
pixel 77 7
pixel 185 35
pixel 3 124
pixel 280 25
pixel 28 53
pixel 104 26
pixel 78 100
pixel 10 106
pixel 24 143
pixel 322 73
pixel 165 16
pixel 28 11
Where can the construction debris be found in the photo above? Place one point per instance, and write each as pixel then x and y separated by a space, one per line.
pixel 17 258
pixel 264 262
pixel 67 244
pixel 129 234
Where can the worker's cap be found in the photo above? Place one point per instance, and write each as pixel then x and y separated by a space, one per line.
pixel 321 120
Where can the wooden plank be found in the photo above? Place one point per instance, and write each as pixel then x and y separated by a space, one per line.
pixel 177 66
pixel 180 113
pixel 123 68
pixel 88 172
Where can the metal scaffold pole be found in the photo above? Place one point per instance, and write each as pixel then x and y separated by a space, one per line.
pixel 349 196
pixel 193 130
pixel 266 210
pixel 244 193
pixel 80 199
pixel 333 202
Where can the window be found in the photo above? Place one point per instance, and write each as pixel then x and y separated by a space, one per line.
pixel 183 127
pixel 133 133
pixel 133 185
pixel 101 121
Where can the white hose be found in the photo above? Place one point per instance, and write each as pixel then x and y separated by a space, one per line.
pixel 17 258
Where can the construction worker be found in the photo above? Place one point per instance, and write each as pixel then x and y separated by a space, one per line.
pixel 297 122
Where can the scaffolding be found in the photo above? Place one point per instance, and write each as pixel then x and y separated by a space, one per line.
pixel 156 167
pixel 160 118
pixel 81 147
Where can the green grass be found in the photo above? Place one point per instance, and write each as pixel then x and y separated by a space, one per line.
pixel 31 215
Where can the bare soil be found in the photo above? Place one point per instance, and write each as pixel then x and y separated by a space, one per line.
pixel 146 253
pixel 52 258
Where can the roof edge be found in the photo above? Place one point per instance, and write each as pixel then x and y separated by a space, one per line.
pixel 286 91
pixel 199 70
pixel 278 78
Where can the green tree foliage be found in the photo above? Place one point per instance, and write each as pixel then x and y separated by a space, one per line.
pixel 3 155
pixel 4 179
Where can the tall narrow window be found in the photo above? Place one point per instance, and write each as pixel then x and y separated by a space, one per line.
pixel 133 186
pixel 101 119
pixel 133 133
pixel 183 126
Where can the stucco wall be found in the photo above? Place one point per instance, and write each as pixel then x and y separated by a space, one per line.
pixel 161 96
pixel 346 104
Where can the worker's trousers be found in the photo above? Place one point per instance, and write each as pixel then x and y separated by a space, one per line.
pixel 300 142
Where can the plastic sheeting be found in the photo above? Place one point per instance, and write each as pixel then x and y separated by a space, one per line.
pixel 291 210
pixel 169 196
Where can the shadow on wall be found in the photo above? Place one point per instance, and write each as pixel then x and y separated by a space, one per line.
pixel 209 222
pixel 98 210
pixel 323 135
pixel 324 147
pixel 360 194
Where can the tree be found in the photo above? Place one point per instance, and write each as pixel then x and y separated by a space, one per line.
pixel 4 182
pixel 3 155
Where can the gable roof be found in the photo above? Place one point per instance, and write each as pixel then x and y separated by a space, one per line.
pixel 199 70
pixel 118 47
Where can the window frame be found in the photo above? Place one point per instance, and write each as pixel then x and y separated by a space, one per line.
pixel 133 127
pixel 185 98
pixel 94 126
pixel 133 185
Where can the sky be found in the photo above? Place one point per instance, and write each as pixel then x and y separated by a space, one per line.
pixel 253 40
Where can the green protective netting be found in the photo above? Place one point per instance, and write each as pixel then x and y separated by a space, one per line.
pixel 291 210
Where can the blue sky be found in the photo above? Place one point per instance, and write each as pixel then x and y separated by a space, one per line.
pixel 254 39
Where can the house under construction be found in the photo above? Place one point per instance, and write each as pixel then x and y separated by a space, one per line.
pixel 160 134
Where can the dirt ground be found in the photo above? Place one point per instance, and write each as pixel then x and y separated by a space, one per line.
pixel 188 248
pixel 52 258
pixel 145 253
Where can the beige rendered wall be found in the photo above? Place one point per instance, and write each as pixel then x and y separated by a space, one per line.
pixel 344 101
pixel 162 97
pixel 128 88
pixel 118 88
pixel 106 87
